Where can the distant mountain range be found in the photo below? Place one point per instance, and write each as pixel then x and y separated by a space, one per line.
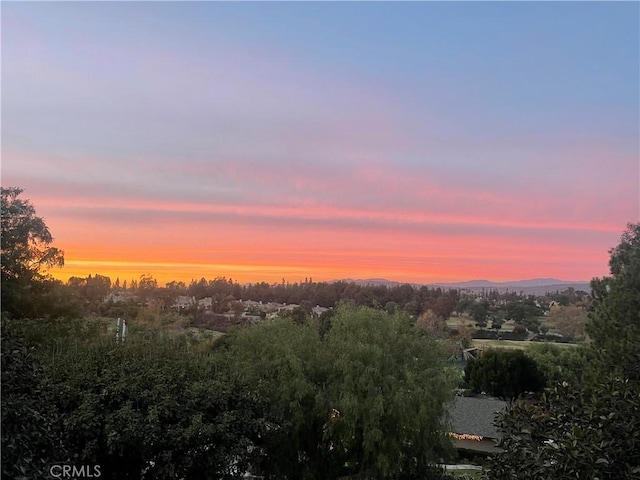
pixel 535 286
pixel 534 282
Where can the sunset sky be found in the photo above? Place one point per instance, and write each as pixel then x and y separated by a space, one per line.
pixel 415 141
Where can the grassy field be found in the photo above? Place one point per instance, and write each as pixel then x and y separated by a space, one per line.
pixel 465 473
pixel 455 322
pixel 465 320
pixel 521 345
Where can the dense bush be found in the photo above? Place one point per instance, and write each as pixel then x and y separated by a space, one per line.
pixel 362 395
pixel 364 400
pixel 151 408
pixel 504 373
pixel 590 428
pixel 31 438
pixel 588 432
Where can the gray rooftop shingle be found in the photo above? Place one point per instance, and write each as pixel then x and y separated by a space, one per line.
pixel 475 415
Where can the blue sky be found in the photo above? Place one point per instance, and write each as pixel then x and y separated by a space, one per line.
pixel 414 128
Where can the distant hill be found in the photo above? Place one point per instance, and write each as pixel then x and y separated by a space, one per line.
pixel 534 282
pixel 374 281
pixel 534 286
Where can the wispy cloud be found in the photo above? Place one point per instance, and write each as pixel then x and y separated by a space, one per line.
pixel 219 150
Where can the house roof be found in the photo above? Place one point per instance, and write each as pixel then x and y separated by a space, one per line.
pixel 475 415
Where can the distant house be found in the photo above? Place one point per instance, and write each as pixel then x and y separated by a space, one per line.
pixel 289 307
pixel 318 310
pixel 119 297
pixel 472 423
pixel 251 304
pixel 184 301
pixel 206 303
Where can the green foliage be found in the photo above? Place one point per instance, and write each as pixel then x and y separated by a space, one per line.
pixel 298 315
pixel 147 286
pixel 570 321
pixel 365 400
pixel 126 309
pixel 576 432
pixel 26 255
pixel 520 332
pixel 463 305
pixel 389 384
pixel 497 323
pixel 152 408
pixel 504 374
pixel 614 323
pixel 589 429
pixel 531 323
pixel 30 438
pixel 525 313
pixel 561 364
pixel 479 312
pixel 92 289
pixel 391 308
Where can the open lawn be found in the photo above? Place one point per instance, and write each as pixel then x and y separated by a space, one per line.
pixel 466 473
pixel 457 320
pixel 203 333
pixel 521 345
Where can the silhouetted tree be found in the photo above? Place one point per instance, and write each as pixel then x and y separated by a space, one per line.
pixel 26 255
pixel 504 374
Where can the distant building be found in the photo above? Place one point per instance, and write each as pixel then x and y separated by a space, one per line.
pixel 318 310
pixel 251 304
pixel 184 301
pixel 291 306
pixel 119 297
pixel 206 303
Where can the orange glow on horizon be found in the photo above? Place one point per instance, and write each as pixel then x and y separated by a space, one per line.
pixel 457 236
pixel 249 253
pixel 243 267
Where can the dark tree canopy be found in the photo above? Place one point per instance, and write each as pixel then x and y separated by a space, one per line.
pixel 504 373
pixel 365 399
pixel 26 240
pixel 153 408
pixel 587 427
pixel 30 439
pixel 575 432
pixel 614 323
pixel 27 252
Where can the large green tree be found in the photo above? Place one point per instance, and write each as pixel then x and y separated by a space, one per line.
pixel 154 410
pixel 27 254
pixel 155 407
pixel 589 429
pixel 570 321
pixel 366 400
pixel 30 437
pixel 504 373
pixel 614 323
pixel 560 363
pixel 576 432
pixel 480 313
